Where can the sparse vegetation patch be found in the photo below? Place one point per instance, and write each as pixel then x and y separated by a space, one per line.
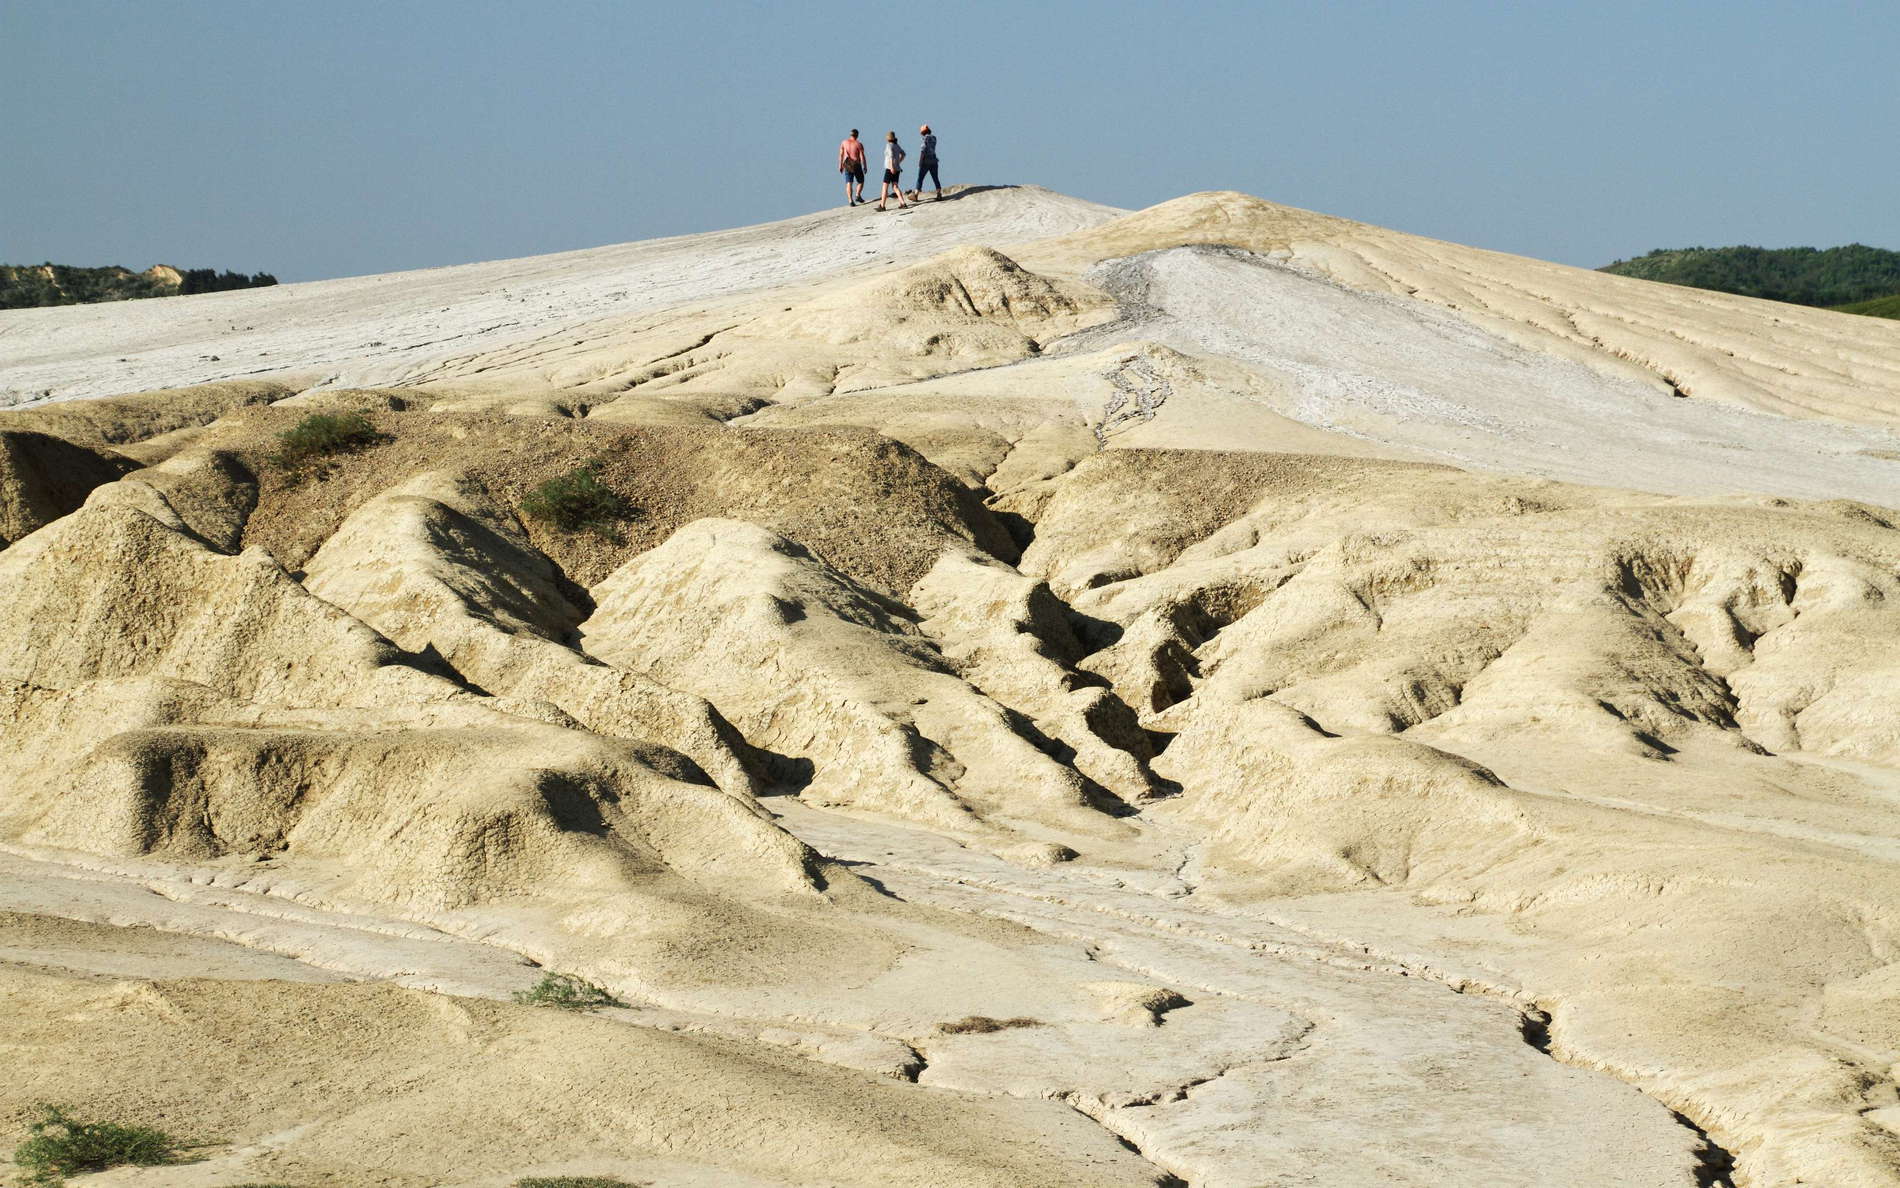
pixel 568 992
pixel 578 501
pixel 984 1025
pixel 322 436
pixel 577 1182
pixel 60 1145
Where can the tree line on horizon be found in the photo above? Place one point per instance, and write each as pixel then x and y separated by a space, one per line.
pixel 1855 278
pixel 25 286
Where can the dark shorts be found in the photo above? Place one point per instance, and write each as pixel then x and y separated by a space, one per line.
pixel 892 177
pixel 854 173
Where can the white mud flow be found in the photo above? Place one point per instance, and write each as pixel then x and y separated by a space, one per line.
pixel 1353 1071
pixel 1275 1059
pixel 1417 376
pixel 1229 1051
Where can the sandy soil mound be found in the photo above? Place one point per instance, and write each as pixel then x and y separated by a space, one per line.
pixel 155 420
pixel 297 1082
pixel 216 720
pixel 818 488
pixel 1014 640
pixel 825 670
pixel 434 565
pixel 53 455
pixel 972 307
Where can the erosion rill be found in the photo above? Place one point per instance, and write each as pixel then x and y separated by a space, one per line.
pixel 1219 695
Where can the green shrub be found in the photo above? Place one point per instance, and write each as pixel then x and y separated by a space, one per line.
pixel 61 1146
pixel 576 1182
pixel 577 500
pixel 567 992
pixel 324 435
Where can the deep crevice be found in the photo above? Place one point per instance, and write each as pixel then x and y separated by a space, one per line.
pixel 1166 1178
pixel 1535 1026
pixel 1715 1164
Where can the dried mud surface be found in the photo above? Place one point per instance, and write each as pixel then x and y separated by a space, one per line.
pixel 1215 696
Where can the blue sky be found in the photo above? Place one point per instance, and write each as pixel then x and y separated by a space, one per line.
pixel 335 138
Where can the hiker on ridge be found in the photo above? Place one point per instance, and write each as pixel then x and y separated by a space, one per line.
pixel 927 165
pixel 851 164
pixel 893 171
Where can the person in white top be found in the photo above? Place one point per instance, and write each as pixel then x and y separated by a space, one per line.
pixel 893 171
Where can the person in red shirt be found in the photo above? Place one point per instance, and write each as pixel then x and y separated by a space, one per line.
pixel 851 164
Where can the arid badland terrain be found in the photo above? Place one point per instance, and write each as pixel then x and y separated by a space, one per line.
pixel 1218 695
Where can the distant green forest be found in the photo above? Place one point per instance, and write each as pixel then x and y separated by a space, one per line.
pixel 1856 278
pixel 23 286
pixel 1879 307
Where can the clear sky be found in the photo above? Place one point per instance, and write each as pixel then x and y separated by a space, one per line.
pixel 336 137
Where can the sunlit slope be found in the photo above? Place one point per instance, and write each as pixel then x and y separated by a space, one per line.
pixel 1704 345
pixel 405 327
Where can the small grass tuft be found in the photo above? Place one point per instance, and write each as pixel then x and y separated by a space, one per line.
pixel 578 501
pixel 567 992
pixel 984 1025
pixel 322 436
pixel 577 1182
pixel 61 1145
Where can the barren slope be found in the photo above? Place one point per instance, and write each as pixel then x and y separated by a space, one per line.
pixel 1310 703
pixel 407 326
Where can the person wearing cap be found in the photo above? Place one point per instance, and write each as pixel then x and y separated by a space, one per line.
pixel 893 171
pixel 927 164
pixel 851 164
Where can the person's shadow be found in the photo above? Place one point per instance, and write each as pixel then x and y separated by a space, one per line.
pixel 966 191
